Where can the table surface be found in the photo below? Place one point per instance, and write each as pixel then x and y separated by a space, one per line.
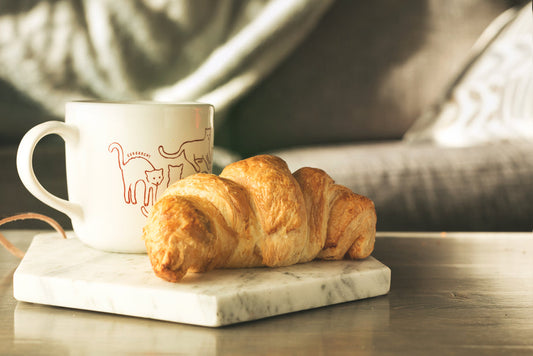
pixel 455 293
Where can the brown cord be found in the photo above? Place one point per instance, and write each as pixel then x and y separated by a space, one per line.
pixel 12 248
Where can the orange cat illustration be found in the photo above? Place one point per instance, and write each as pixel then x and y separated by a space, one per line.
pixel 138 173
pixel 194 152
pixel 175 172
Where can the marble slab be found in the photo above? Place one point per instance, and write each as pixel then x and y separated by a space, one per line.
pixel 67 273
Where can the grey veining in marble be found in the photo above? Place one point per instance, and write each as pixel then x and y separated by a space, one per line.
pixel 69 274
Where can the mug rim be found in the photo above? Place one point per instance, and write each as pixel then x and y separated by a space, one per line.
pixel 141 103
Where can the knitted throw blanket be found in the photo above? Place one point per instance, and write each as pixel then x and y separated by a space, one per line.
pixel 204 50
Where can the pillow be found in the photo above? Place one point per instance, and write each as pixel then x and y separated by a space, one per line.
pixel 492 99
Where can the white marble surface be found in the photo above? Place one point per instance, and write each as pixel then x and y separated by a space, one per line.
pixel 69 274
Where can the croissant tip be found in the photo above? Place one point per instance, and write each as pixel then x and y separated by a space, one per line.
pixel 169 275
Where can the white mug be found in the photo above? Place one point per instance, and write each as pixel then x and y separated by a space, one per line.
pixel 120 157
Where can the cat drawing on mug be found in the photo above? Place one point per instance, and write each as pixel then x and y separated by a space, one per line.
pixel 194 152
pixel 175 173
pixel 138 172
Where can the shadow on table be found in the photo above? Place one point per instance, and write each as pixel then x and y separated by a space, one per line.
pixel 350 324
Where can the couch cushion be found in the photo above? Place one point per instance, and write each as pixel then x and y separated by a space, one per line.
pixel 414 187
pixel 424 187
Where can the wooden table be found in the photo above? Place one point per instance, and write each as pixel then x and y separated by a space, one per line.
pixel 455 293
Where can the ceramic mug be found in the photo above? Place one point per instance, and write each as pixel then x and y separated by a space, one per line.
pixel 120 157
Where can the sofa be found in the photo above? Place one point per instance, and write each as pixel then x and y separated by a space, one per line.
pixel 401 101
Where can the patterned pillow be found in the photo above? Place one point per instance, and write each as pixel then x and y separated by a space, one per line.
pixel 492 99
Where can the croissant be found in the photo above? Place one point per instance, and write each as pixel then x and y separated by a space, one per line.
pixel 256 213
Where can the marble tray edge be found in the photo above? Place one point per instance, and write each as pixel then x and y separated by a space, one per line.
pixel 217 310
pixel 312 303
pixel 217 316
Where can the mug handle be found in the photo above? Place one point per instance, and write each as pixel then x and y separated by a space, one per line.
pixel 25 165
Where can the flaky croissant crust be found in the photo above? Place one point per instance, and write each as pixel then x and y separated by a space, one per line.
pixel 256 213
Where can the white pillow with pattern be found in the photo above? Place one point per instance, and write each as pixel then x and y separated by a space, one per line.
pixel 492 99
